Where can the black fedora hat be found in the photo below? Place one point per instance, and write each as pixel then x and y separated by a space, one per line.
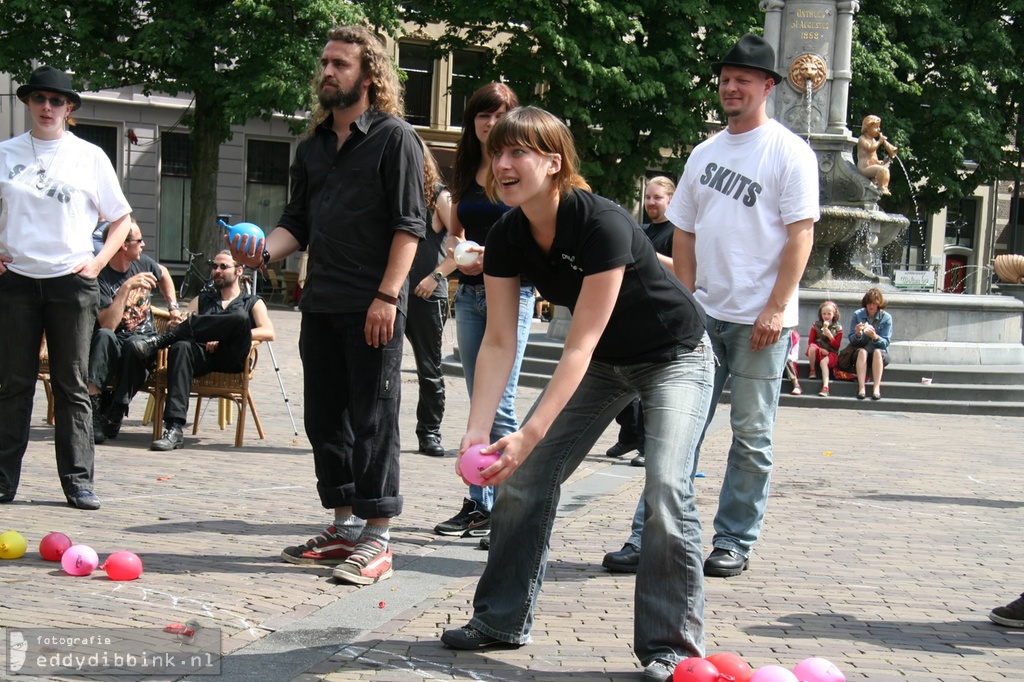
pixel 750 52
pixel 51 80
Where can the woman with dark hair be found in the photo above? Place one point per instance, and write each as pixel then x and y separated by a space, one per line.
pixel 635 331
pixel 472 215
pixel 428 308
pixel 54 188
pixel 870 333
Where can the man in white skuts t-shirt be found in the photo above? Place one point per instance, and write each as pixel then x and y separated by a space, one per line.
pixel 745 208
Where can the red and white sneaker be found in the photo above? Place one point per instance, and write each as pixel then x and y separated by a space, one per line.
pixel 328 548
pixel 370 563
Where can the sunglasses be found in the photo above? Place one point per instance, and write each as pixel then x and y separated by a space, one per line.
pixel 222 266
pixel 40 98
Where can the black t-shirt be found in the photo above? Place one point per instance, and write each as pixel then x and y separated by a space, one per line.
pixel 654 312
pixel 477 213
pixel 138 314
pixel 660 235
pixel 430 252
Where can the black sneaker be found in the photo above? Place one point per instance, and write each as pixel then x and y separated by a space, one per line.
pixel 471 522
pixel 172 439
pixel 1011 615
pixel 620 449
pixel 6 496
pixel 468 638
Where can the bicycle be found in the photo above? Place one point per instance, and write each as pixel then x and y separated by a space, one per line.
pixel 194 276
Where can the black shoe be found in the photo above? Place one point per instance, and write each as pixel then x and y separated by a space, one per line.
pixel 430 445
pixel 625 560
pixel 471 521
pixel 6 496
pixel 164 340
pixel 172 439
pixel 637 461
pixel 620 449
pixel 83 499
pixel 98 434
pixel 109 423
pixel 485 543
pixel 468 638
pixel 725 563
pixel 1011 615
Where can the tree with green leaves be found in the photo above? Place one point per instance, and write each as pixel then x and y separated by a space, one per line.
pixel 631 78
pixel 239 60
pixel 945 76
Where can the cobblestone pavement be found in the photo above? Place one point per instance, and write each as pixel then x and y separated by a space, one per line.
pixel 888 539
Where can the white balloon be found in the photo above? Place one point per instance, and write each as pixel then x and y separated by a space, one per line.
pixel 463 256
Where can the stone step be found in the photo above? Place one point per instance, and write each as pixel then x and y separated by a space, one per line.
pixel 954 389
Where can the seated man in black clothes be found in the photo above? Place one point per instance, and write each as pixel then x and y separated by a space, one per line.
pixel 125 323
pixel 215 337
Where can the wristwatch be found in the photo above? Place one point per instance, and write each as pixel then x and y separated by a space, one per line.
pixel 437 276
pixel 266 257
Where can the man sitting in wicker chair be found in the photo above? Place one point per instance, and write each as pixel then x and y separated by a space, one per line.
pixel 125 323
pixel 216 336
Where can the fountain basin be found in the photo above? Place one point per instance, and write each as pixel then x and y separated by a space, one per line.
pixel 847 241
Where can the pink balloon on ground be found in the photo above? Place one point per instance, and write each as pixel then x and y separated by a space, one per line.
pixel 53 546
pixel 123 566
pixel 773 673
pixel 818 670
pixel 473 462
pixel 79 560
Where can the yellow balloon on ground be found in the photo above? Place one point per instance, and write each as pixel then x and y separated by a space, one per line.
pixel 12 545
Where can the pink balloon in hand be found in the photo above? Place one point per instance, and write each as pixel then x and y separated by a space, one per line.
pixel 473 462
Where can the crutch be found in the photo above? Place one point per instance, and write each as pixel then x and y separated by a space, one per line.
pixel 273 360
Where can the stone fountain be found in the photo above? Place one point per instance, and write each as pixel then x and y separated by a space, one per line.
pixel 812 41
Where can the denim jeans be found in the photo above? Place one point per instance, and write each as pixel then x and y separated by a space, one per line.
pixel 756 379
pixel 356 458
pixel 65 308
pixel 669 594
pixel 470 321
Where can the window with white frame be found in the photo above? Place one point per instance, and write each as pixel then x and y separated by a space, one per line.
pixel 175 203
pixel 266 181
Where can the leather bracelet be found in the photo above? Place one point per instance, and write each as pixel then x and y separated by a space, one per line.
pixel 381 296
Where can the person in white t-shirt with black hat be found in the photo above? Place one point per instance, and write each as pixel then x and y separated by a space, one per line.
pixel 54 188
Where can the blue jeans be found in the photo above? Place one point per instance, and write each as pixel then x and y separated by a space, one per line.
pixel 669 595
pixel 470 321
pixel 65 308
pixel 756 381
pixel 754 397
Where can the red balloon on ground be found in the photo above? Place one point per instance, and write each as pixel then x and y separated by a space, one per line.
pixel 123 566
pixel 53 546
pixel 732 665
pixel 696 670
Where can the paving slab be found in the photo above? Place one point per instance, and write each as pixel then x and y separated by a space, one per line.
pixel 889 537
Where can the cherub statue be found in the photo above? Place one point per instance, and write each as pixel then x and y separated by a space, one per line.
pixel 868 162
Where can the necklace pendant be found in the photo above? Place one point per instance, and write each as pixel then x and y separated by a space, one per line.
pixel 41 180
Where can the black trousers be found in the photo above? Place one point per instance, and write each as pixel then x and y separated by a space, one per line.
pixel 188 357
pixel 631 424
pixel 356 459
pixel 129 359
pixel 424 331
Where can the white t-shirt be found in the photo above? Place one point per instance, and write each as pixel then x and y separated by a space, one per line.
pixel 737 194
pixel 48 231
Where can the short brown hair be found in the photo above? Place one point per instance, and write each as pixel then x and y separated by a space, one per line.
pixel 873 295
pixel 539 130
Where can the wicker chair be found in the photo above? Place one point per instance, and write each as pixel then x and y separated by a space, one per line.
pixel 160 319
pixel 234 387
